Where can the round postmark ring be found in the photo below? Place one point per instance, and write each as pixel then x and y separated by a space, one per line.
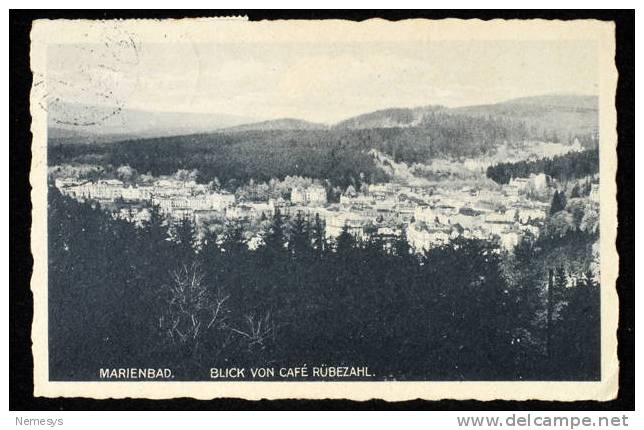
pixel 88 83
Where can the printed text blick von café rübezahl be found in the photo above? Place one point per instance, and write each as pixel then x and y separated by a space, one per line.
pixel 227 373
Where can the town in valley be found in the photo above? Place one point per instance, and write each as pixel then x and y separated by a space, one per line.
pixel 428 214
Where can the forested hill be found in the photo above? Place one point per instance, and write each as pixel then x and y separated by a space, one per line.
pixel 553 116
pixel 341 153
pixel 341 156
pixel 560 115
pixel 397 117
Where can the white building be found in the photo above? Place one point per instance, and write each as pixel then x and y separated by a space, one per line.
pixel 540 182
pixel 298 196
pixel 353 222
pixel 516 186
pixel 218 200
pixel 509 239
pixel 422 238
pixel 137 193
pixel 316 195
pixel 61 183
pixel 313 195
pixel 107 189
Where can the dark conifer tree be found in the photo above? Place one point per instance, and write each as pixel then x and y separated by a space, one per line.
pixel 184 240
pixel 234 243
pixel 155 230
pixel 299 241
pixel 209 246
pixel 318 241
pixel 274 237
pixel 156 257
pixel 210 257
pixel 576 344
pixel 558 202
pixel 345 243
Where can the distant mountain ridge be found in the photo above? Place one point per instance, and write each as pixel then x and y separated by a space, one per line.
pixel 536 111
pixel 555 114
pixel 558 100
pixel 92 123
pixel 277 124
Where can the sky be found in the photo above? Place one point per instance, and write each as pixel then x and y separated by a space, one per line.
pixel 315 81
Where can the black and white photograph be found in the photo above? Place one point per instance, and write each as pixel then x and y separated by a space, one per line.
pixel 394 210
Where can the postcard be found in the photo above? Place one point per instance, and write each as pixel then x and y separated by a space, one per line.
pixel 324 209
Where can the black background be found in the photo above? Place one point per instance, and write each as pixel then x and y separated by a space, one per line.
pixel 21 300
